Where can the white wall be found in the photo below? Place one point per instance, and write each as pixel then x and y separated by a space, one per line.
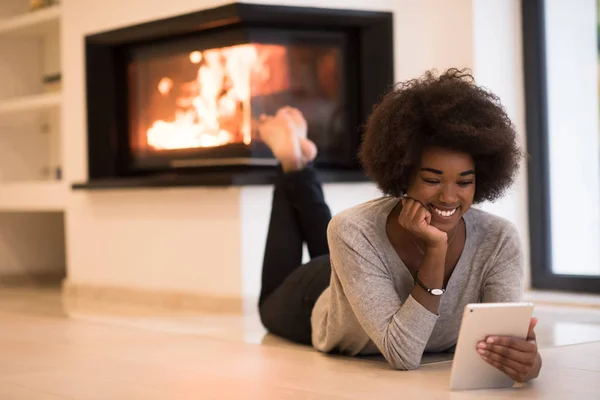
pixel 498 65
pixel 169 239
pixel 572 70
pixel 210 241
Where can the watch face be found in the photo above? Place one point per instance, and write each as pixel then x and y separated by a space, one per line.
pixel 437 292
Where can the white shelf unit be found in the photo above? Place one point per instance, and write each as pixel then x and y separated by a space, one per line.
pixel 33 196
pixel 30 103
pixel 30 156
pixel 34 23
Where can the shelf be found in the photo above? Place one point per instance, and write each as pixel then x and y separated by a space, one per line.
pixel 33 196
pixel 233 177
pixel 30 103
pixel 34 23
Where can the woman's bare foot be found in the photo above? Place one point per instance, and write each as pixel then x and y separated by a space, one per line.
pixel 285 134
pixel 309 150
pixel 307 146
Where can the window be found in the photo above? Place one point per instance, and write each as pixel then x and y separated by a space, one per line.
pixel 561 55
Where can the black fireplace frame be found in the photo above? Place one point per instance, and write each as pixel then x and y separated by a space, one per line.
pixel 108 147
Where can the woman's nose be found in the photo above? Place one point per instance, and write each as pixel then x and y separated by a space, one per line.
pixel 448 195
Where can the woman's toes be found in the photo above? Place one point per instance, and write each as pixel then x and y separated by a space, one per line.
pixel 309 150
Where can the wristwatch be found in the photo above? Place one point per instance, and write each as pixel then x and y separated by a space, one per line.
pixel 433 292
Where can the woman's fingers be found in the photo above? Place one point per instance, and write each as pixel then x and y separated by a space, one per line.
pixel 422 215
pixel 531 331
pixel 409 208
pixel 499 352
pixel 414 216
pixel 511 372
pixel 515 357
pixel 501 343
pixel 508 362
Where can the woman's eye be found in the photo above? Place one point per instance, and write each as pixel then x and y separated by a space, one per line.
pixel 465 183
pixel 431 181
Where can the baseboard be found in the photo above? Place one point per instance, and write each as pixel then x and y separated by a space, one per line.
pixel 37 279
pixel 564 299
pixel 74 293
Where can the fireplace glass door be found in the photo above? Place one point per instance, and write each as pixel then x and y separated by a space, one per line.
pixel 197 101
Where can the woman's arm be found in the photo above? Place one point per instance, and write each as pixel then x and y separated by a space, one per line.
pixel 416 220
pixel 431 273
pixel 518 358
pixel 399 328
pixel 503 281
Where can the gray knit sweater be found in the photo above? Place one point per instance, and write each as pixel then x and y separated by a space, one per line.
pixel 367 308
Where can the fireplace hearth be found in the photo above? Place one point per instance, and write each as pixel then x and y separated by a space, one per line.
pixel 177 101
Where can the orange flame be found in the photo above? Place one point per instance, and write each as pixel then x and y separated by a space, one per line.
pixel 217 109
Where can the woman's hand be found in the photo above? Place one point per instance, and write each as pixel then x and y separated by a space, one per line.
pixel 517 358
pixel 417 220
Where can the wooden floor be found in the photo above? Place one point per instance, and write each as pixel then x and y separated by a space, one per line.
pixel 50 350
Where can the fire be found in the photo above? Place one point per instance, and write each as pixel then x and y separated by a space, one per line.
pixel 195 57
pixel 165 85
pixel 215 109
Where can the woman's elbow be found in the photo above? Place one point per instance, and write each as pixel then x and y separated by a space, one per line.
pixel 403 363
pixel 398 358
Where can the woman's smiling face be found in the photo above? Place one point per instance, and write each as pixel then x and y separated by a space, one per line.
pixel 444 183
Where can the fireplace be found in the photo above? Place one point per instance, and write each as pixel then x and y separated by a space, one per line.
pixel 195 106
pixel 178 101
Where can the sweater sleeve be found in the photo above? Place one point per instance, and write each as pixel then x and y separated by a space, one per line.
pixel 400 329
pixel 504 280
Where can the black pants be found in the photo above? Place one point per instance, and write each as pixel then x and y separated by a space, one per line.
pixel 289 291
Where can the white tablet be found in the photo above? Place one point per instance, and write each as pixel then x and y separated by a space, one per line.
pixel 469 370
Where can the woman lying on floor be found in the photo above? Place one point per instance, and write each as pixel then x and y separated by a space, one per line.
pixel 393 275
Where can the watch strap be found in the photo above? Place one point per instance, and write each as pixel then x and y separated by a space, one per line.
pixel 433 292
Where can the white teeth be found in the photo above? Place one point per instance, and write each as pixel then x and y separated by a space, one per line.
pixel 444 213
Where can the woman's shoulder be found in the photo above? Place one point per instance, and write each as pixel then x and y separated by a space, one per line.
pixel 359 232
pixel 496 245
pixel 365 217
pixel 488 226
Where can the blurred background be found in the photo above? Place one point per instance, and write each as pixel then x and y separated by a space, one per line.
pixel 181 253
pixel 200 246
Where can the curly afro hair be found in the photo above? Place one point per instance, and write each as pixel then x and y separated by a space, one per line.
pixel 447 111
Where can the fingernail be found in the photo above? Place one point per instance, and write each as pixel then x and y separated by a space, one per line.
pixel 481 345
pixel 490 340
pixel 481 351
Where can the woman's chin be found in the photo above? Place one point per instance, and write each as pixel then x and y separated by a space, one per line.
pixel 445 224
